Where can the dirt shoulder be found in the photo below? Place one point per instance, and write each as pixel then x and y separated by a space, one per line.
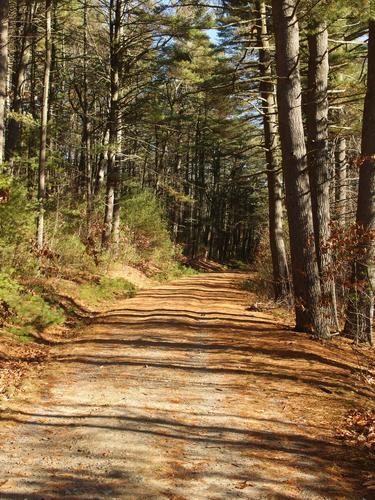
pixel 181 392
pixel 23 355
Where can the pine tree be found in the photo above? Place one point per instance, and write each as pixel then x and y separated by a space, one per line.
pixel 307 291
pixel 360 312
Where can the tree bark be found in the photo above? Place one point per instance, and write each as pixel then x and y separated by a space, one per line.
pixel 44 123
pixel 271 142
pixel 4 28
pixel 25 17
pixel 318 160
pixel 306 282
pixel 113 172
pixel 360 309
pixel 86 125
pixel 116 226
pixel 341 166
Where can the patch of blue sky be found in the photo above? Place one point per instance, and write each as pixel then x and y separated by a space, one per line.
pixel 213 35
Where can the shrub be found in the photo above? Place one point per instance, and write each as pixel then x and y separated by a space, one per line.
pixel 17 227
pixel 71 254
pixel 64 232
pixel 146 230
pixel 107 289
pixel 29 312
pixel 262 284
pixel 174 270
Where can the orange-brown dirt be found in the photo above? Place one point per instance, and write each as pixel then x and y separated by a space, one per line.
pixel 182 393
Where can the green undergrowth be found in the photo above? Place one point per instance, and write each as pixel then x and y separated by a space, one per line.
pixel 239 265
pixel 107 289
pixel 248 285
pixel 73 252
pixel 174 271
pixel 25 313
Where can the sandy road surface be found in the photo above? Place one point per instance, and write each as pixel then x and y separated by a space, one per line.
pixel 182 394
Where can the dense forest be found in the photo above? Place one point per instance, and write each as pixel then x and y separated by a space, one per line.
pixel 187 244
pixel 149 132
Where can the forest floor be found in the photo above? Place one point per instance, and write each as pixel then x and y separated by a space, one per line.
pixel 184 393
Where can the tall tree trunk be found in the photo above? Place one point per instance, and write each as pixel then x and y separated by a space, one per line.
pixel 32 147
pixel 360 309
pixel 341 166
pixel 86 132
pixel 44 123
pixel 318 160
pixel 4 28
pixel 117 197
pixel 305 270
pixel 271 142
pixel 25 18
pixel 113 167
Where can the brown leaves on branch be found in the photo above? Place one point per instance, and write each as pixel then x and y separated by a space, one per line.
pixel 362 160
pixel 6 312
pixel 347 245
pixel 4 196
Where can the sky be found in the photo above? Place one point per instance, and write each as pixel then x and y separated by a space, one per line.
pixel 213 34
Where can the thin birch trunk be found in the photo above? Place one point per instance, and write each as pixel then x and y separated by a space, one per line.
pixel 113 173
pixel 44 123
pixel 341 166
pixel 4 32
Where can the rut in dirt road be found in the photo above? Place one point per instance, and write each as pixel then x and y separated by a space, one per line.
pixel 181 394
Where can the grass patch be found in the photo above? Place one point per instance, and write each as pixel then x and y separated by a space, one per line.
pixel 174 271
pixel 24 312
pixel 239 265
pixel 105 290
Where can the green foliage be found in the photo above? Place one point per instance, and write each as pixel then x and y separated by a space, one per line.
pixel 248 285
pixel 9 289
pixel 194 61
pixel 239 265
pixel 71 253
pixel 65 228
pixel 25 119
pixel 145 223
pixel 105 290
pixel 327 10
pixel 17 227
pixel 29 313
pixel 174 270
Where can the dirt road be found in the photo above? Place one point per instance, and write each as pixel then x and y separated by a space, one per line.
pixel 182 394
